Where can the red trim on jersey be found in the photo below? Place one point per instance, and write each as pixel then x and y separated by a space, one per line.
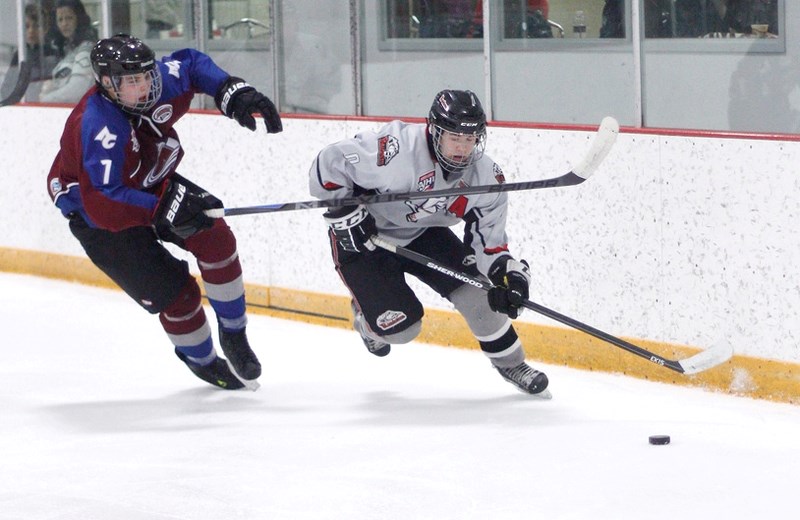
pixel 495 250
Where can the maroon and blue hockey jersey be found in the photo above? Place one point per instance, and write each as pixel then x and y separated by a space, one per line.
pixel 112 166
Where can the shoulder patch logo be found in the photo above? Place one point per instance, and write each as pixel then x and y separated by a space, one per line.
pixel 388 147
pixel 55 186
pixel 498 174
pixel 106 138
pixel 162 114
pixel 174 67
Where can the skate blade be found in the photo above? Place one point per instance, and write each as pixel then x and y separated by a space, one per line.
pixel 544 395
pixel 249 384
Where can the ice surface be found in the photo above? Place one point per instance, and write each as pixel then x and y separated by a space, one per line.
pixel 101 421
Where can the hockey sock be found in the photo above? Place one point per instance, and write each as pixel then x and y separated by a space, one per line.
pixel 186 325
pixel 221 271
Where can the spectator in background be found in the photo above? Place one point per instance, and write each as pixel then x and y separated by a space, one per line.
pixel 72 76
pixel 710 18
pixel 445 18
pixel 739 15
pixel 530 24
pixel 161 15
pixel 73 27
pixel 613 20
pixel 38 21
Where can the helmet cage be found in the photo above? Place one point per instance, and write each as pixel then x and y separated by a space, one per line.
pixel 140 106
pixel 456 164
pixel 457 112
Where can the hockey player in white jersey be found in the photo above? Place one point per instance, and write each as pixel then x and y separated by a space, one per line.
pixel 446 152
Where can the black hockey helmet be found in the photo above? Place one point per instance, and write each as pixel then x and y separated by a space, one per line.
pixel 457 112
pixel 124 55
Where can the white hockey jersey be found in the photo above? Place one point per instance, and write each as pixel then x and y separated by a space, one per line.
pixel 396 159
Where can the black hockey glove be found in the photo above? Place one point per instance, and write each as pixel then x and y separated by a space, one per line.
pixel 511 279
pixel 238 100
pixel 180 211
pixel 353 227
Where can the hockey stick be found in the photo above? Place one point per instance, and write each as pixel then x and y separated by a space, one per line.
pixel 603 141
pixel 709 358
pixel 23 79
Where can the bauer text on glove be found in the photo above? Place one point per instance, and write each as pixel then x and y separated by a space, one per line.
pixel 180 211
pixel 239 100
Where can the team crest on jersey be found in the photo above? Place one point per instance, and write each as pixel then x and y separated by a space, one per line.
pixel 167 156
pixel 389 319
pixel 498 174
pixel 388 147
pixel 162 114
pixel 425 183
pixel 425 209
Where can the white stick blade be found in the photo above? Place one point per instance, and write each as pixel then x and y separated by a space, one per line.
pixel 603 142
pixel 721 352
pixel 215 213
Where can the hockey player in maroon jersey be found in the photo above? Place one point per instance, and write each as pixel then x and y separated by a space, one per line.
pixel 444 153
pixel 115 179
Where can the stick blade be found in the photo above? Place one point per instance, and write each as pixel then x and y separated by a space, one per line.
pixel 603 142
pixel 21 85
pixel 721 352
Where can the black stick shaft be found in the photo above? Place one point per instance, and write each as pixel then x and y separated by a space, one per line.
pixel 602 143
pixel 568 179
pixel 566 320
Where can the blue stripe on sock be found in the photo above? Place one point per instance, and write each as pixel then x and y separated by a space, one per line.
pixel 199 352
pixel 231 314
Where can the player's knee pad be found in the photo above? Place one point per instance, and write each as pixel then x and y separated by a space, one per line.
pixel 214 245
pixel 404 336
pixel 471 303
pixel 494 331
pixel 185 314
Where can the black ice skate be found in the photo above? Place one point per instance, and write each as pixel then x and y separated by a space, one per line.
pixel 240 356
pixel 527 380
pixel 379 348
pixel 216 373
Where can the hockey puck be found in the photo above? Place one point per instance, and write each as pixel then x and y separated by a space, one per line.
pixel 659 440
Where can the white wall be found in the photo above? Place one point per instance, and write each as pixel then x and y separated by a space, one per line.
pixel 675 239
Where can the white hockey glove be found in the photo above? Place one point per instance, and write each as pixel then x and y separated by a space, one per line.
pixel 353 227
pixel 511 279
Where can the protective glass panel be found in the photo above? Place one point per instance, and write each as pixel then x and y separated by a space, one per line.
pixel 711 19
pixel 314 59
pixel 58 37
